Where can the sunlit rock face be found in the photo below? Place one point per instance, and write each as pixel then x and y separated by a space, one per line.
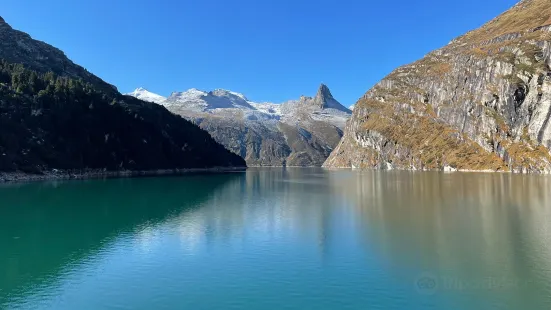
pixel 483 102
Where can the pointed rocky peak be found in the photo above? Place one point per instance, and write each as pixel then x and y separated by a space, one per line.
pixel 324 93
pixel 323 103
pixel 2 21
pixel 323 97
pixel 324 100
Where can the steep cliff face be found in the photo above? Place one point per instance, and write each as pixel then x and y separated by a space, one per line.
pixel 483 102
pixel 295 133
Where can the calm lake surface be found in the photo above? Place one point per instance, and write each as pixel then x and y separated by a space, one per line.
pixel 279 239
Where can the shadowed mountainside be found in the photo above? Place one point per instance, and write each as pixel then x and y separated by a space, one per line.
pixel 56 115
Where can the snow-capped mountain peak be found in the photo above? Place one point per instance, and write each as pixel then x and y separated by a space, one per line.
pixel 227 93
pixel 194 92
pixel 190 94
pixel 145 95
pixel 201 101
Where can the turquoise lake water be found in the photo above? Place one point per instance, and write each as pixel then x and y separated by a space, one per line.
pixel 279 239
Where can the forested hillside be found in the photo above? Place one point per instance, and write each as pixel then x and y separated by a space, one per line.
pixel 49 122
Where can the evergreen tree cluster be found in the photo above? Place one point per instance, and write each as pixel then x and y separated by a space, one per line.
pixel 54 122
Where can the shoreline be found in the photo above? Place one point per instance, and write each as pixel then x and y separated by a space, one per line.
pixel 447 171
pixel 61 175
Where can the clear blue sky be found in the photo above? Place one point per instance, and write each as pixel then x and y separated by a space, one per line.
pixel 269 50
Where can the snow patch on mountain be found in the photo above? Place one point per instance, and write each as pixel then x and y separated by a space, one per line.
pixel 301 111
pixel 267 107
pixel 145 95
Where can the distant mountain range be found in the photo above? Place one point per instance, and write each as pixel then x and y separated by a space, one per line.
pixel 56 116
pixel 300 132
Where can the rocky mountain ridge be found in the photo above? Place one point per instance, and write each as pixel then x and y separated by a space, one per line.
pixel 483 102
pixel 19 47
pixel 295 133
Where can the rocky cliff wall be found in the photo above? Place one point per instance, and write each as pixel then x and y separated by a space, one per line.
pixel 483 102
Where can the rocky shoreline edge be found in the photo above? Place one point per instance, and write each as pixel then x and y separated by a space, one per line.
pixel 21 177
pixel 444 170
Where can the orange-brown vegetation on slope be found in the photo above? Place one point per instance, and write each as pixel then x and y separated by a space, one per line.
pixel 525 16
pixel 430 141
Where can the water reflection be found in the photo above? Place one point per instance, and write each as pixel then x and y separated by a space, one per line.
pixel 48 227
pixel 488 232
pixel 324 239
